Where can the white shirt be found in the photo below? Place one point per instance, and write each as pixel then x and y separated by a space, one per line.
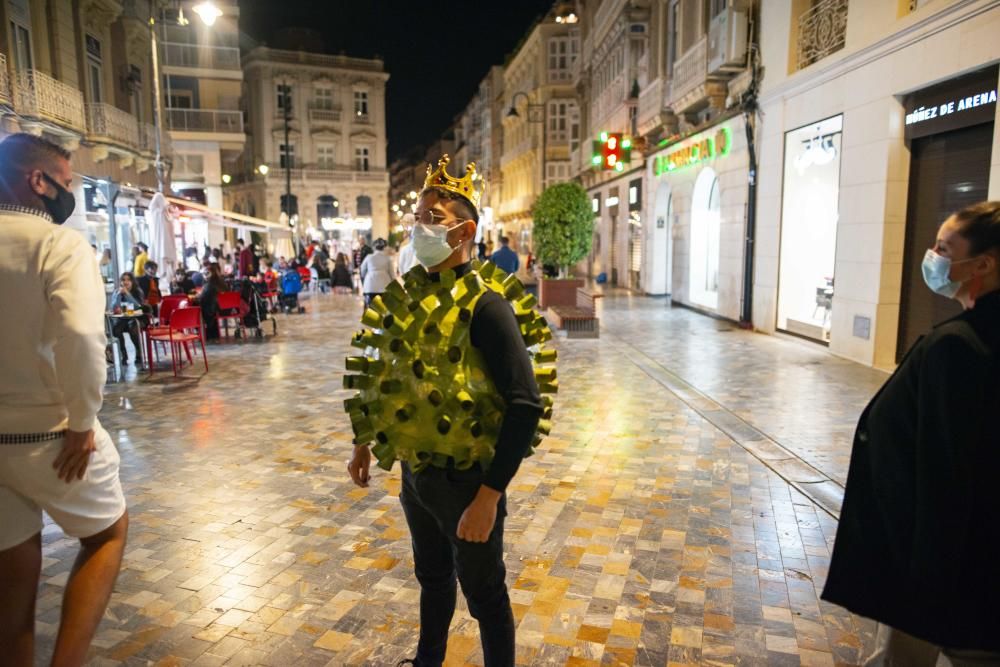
pixel 407 258
pixel 52 347
pixel 376 272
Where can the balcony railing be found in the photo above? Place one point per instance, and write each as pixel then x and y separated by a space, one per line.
pixel 41 96
pixel 205 120
pixel 361 119
pixel 4 81
pixel 176 54
pixel 690 70
pixel 821 31
pixel 317 114
pixel 109 123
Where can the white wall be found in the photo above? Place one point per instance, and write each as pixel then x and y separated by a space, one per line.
pixel 731 170
pixel 939 42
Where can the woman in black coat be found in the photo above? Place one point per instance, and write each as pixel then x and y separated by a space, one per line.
pixel 918 545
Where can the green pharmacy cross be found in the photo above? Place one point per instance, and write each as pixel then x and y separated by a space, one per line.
pixel 424 395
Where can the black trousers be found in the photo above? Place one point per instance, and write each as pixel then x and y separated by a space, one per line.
pixel 433 501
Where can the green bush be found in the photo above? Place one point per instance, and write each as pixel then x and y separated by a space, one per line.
pixel 563 227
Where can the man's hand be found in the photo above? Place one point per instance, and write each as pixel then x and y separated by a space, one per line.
pixel 478 518
pixel 359 464
pixel 75 455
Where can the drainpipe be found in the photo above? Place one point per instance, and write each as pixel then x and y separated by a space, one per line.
pixel 748 103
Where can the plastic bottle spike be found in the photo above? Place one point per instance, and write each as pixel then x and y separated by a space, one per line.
pixel 444 425
pixel 487 270
pixel 419 311
pixel 418 274
pixel 363 438
pixel 447 278
pixel 353 403
pixel 358 364
pixel 395 291
pixel 525 317
pixel 382 438
pixel 475 428
pixel 528 301
pixel 464 316
pixel 454 354
pixel 545 356
pixel 418 369
pixel 371 318
pixel 465 400
pixel 512 287
pixel 357 382
pixel 445 298
pixel 390 386
pixel 549 387
pixel 372 408
pixel 394 325
pixel 432 334
pixel 400 347
pixel 544 426
pixel 545 375
pixel 435 397
pixel 378 305
pixel 365 339
pixel 406 412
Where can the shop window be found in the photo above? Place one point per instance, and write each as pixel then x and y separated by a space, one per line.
pixel 363 206
pixel 809 228
pixel 706 227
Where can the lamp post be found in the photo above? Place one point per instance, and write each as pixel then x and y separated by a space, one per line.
pixel 208 13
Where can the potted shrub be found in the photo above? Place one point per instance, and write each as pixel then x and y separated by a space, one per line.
pixel 563 231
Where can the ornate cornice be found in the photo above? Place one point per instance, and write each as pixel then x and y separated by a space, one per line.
pixel 98 15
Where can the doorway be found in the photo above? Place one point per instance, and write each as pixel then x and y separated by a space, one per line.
pixel 948 171
pixel 660 241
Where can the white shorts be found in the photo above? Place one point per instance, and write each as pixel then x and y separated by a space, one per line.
pixel 30 485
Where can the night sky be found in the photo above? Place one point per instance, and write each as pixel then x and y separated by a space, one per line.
pixel 436 52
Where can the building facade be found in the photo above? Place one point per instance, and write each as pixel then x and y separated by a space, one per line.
pixel 335 155
pixel 541 126
pixel 80 74
pixel 870 136
pixel 201 87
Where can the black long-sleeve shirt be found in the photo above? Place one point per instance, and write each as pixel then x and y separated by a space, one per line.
pixel 494 331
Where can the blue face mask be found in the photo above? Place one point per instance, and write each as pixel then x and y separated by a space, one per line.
pixel 937 269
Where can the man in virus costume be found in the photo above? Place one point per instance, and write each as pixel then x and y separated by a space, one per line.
pixel 450 385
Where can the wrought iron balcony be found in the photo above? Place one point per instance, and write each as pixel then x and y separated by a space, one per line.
pixel 40 96
pixel 822 30
pixel 205 120
pixel 4 81
pixel 690 70
pixel 108 123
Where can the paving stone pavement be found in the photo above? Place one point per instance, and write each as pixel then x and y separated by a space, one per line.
pixel 640 534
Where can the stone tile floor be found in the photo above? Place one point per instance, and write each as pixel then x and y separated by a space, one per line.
pixel 640 534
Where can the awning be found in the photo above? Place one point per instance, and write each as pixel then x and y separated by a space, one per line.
pixel 231 218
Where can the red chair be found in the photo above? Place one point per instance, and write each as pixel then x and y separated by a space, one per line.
pixel 185 327
pixel 230 308
pixel 168 305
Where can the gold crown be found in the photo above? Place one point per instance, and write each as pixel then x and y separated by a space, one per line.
pixel 465 186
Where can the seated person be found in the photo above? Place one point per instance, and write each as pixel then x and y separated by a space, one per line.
pixel 208 299
pixel 128 296
pixel 343 279
pixel 149 283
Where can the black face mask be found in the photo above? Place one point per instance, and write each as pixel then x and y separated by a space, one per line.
pixel 62 206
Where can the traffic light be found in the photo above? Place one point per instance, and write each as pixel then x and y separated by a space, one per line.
pixel 612 152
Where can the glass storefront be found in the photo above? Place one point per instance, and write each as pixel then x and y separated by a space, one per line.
pixel 809 228
pixel 706 235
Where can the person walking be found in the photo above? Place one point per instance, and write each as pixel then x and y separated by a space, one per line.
pixel 246 260
pixel 376 272
pixel 456 517
pixel 54 455
pixel 139 264
pixel 505 258
pixel 917 541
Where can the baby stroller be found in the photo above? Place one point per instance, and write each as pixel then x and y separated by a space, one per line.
pixel 291 285
pixel 252 294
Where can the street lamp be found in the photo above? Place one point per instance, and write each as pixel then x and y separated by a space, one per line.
pixel 208 13
pixel 536 114
pixel 263 169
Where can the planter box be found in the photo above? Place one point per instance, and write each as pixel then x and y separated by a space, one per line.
pixel 558 292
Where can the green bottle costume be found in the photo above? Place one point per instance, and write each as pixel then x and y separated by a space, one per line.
pixel 424 394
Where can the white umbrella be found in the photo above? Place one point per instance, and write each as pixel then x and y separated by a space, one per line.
pixel 163 249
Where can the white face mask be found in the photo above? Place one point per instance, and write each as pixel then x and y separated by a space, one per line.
pixel 430 244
